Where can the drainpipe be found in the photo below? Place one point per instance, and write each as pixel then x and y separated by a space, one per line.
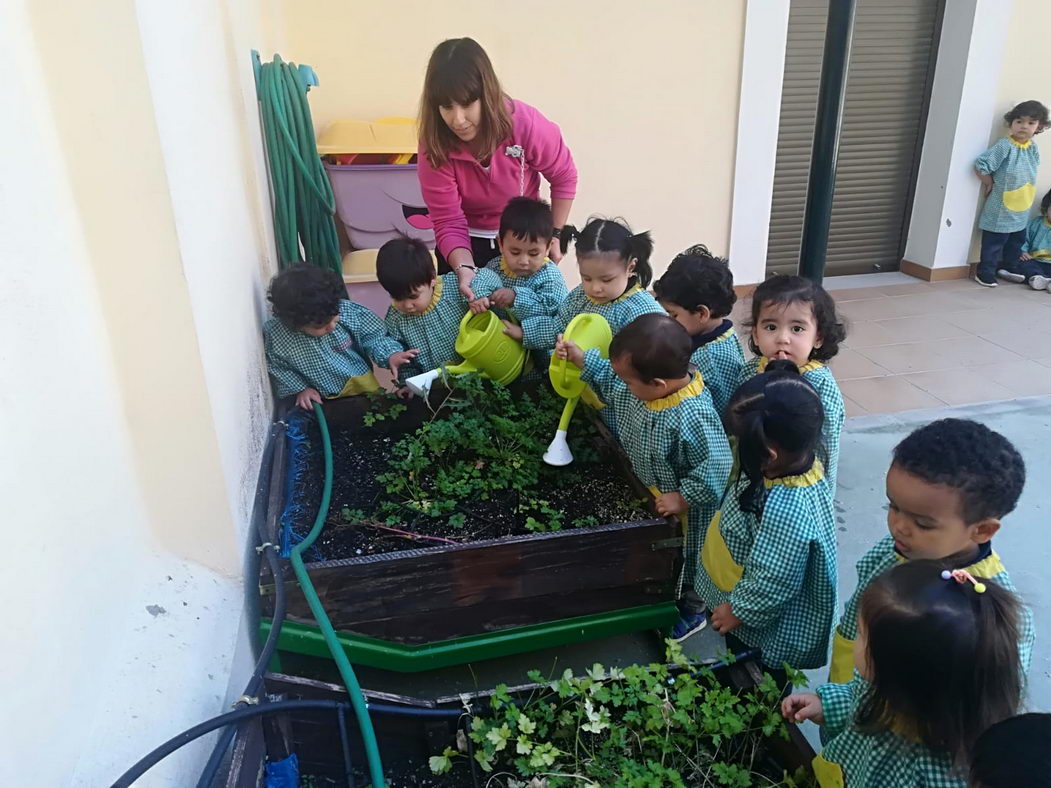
pixel 822 181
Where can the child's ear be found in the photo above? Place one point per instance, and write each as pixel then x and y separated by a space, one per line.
pixel 984 530
pixel 771 456
pixel 819 341
pixel 500 243
pixel 703 312
pixel 631 265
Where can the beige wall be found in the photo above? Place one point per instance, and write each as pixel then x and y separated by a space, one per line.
pixel 646 94
pixel 1021 79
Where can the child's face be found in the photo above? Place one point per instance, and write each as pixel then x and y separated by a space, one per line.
pixel 926 519
pixel 1023 128
pixel 694 322
pixel 787 331
pixel 463 121
pixel 417 302
pixel 523 257
pixel 604 276
pixel 645 390
pixel 320 329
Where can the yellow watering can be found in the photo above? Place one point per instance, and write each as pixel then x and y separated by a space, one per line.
pixel 586 331
pixel 485 348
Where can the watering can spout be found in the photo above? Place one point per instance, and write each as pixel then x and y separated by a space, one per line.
pixel 558 453
pixel 421 384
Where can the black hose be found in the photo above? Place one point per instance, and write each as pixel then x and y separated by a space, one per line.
pixel 264 514
pixel 344 743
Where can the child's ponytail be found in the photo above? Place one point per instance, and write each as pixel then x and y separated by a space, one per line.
pixel 612 235
pixel 569 233
pixel 776 411
pixel 640 247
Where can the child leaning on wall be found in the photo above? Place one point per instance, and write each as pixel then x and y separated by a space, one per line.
pixel 1008 174
pixel 319 343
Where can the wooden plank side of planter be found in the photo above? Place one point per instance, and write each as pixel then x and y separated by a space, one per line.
pixel 441 593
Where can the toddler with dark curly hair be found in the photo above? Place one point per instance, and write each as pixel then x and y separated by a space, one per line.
pixel 949 485
pixel 319 343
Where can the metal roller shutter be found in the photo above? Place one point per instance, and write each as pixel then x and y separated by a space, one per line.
pixel 888 84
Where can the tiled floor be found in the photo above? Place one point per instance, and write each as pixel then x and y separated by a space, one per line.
pixel 923 345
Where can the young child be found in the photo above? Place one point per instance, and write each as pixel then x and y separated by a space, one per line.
pixel 768 559
pixel 317 342
pixel 667 424
pixel 949 485
pixel 1013 753
pixel 426 309
pixel 1008 174
pixel 531 285
pixel 1034 263
pixel 796 320
pixel 938 664
pixel 698 291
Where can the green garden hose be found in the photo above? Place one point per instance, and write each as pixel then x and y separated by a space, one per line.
pixel 303 201
pixel 361 710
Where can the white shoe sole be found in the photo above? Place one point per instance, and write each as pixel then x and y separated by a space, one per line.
pixel 1010 276
pixel 1039 282
pixel 984 284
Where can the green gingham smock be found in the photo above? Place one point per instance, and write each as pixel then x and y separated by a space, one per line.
pixel 1013 166
pixel 882 557
pixel 676 444
pixel 299 361
pixel 720 362
pixel 540 333
pixel 818 376
pixel 880 760
pixel 777 571
pixel 537 295
pixel 1037 242
pixel 433 331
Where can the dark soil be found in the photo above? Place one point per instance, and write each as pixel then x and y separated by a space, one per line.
pixel 591 491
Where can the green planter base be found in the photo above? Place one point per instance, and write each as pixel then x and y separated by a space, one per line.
pixel 360 650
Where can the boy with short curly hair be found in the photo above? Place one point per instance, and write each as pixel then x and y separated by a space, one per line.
pixel 949 485
pixel 318 341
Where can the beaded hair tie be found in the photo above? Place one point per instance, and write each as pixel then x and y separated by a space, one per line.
pixel 963 576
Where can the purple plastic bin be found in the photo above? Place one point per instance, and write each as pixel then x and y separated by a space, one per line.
pixel 378 202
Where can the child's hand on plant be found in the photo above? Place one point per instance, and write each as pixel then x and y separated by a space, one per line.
pixel 504 297
pixel 669 504
pixel 396 360
pixel 723 619
pixel 803 706
pixel 478 305
pixel 513 330
pixel 307 397
pixel 568 351
pixel 404 392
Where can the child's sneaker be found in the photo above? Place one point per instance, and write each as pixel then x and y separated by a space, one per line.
pixel 689 624
pixel 1038 282
pixel 1010 276
pixel 983 281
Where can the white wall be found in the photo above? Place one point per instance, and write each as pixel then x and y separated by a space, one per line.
pixel 135 400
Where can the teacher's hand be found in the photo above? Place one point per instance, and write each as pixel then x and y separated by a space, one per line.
pixel 465 275
pixel 554 251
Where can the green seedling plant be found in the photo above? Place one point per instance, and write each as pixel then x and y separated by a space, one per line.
pixel 663 725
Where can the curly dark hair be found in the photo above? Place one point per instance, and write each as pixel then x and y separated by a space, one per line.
pixel 1014 752
pixel 305 295
pixel 784 289
pixel 657 346
pixel 983 466
pixel 698 278
pixel 1029 109
pixel 1045 203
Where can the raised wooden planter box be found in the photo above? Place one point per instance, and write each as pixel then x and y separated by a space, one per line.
pixel 420 609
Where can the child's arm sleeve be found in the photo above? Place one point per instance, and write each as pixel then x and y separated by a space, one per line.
pixel 598 373
pixel 837 704
pixel 990 161
pixel 286 380
pixel 541 333
pixel 708 459
pixel 541 297
pixel 483 284
pixel 372 334
pixel 774 570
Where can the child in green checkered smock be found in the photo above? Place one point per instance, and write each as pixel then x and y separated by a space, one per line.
pixel 795 319
pixel 1008 174
pixel 949 486
pixel 936 664
pixel 668 424
pixel 698 291
pixel 768 558
pixel 426 309
pixel 319 344
pixel 615 269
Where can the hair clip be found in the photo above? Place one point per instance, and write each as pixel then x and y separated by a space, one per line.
pixel 963 576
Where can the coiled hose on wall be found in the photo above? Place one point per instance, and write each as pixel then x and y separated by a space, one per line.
pixel 304 205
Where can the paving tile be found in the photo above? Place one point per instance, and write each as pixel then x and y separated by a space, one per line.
pixel 1022 378
pixel 876 309
pixel 918 304
pixel 935 355
pixel 854 409
pixel 1032 343
pixel 866 333
pixel 857 293
pixel 849 364
pixel 906 289
pixel 888 395
pixel 919 329
pixel 960 386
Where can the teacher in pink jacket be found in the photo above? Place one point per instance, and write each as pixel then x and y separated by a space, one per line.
pixel 478 149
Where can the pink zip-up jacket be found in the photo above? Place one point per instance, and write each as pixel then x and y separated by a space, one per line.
pixel 462 194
